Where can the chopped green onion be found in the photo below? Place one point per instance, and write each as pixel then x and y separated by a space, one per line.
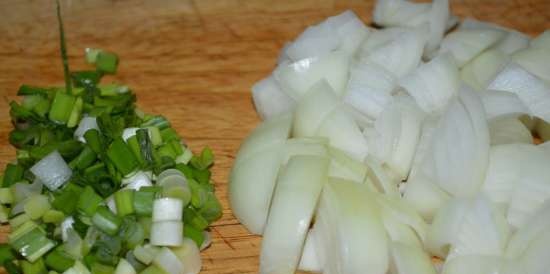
pixel 191 217
pixel 204 160
pixel 6 196
pixel 89 201
pixel 194 234
pixel 143 202
pixel 86 158
pixel 12 175
pixel 6 253
pixel 86 79
pixel 91 55
pixel 106 62
pixel 53 216
pixel 30 241
pixel 132 232
pixel 146 253
pixel 185 157
pixel 169 134
pixel 74 118
pixel 145 145
pixel 146 223
pixel 122 157
pixel 62 106
pixel 4 213
pixel 66 200
pixel 36 206
pixel 106 221
pixel 98 268
pixel 134 146
pixel 58 260
pixel 19 220
pixel 12 268
pixel 38 267
pixel 124 200
pixel 94 140
pixel 156 138
pixel 153 269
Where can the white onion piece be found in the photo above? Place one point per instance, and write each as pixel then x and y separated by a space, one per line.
pixel 534 228
pixel 535 259
pixel 251 187
pixel 24 190
pixel 400 210
pixel 298 188
pixel 269 99
pixel 409 260
pixel 127 133
pixel 401 55
pixel 52 170
pixel 504 171
pixel 345 167
pixel 424 143
pixel 533 188
pixel 111 204
pixel 313 108
pixel 542 41
pixel 465 45
pixel 348 221
pixel 535 61
pixel 439 16
pixel 86 123
pixel 269 133
pixel 167 209
pixel 297 78
pixel 433 84
pixel 189 254
pixel 381 179
pixel 509 131
pixel 479 72
pixel 378 38
pixel 168 261
pixel 309 260
pixel 445 227
pixel 304 146
pixel 66 225
pixel 344 133
pixel 167 233
pixel 400 13
pixel 502 104
pixel 424 195
pixel 399 232
pixel 475 264
pixel 351 30
pixel 510 43
pixel 369 89
pixel 530 89
pixel 396 134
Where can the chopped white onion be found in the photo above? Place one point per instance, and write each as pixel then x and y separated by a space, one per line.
pixel 502 104
pixel 167 209
pixel 52 171
pixel 509 131
pixel 310 174
pixel 465 45
pixel 345 167
pixel 480 71
pixel 381 178
pixel 535 61
pixel 313 108
pixel 304 146
pixel 86 123
pixel 510 43
pixel 438 17
pixel 269 99
pixel 309 260
pixel 167 233
pixel 408 259
pixel 534 228
pixel 401 211
pixel 433 84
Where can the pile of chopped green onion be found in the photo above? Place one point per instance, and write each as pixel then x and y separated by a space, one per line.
pixel 99 186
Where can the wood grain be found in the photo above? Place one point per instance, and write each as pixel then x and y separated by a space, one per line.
pixel 193 61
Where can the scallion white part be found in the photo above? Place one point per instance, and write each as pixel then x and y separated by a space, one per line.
pixel 167 233
pixel 124 267
pixel 86 123
pixel 189 255
pixel 168 261
pixel 269 99
pixel 167 209
pixel 409 259
pixel 52 171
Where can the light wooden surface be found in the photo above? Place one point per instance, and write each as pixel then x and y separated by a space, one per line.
pixel 193 61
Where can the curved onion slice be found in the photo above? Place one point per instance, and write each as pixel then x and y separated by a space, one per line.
pixel 269 99
pixel 399 12
pixel 502 104
pixel 530 89
pixel 433 84
pixel 345 167
pixel 439 16
pixel 348 220
pixel 476 264
pixel 189 255
pixel 396 134
pixel 534 228
pixel 479 72
pixel 304 146
pixel 295 197
pixel 535 259
pixel 309 260
pixel 369 89
pixel 401 211
pixel 313 108
pixel 445 227
pixel 465 45
pixel 379 38
pixel 298 77
pixel 509 131
pixel 510 43
pixel 381 179
pixel 424 195
pixel 535 60
pixel 408 259
pixel 399 232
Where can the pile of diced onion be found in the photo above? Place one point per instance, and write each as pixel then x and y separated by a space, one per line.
pixel 405 148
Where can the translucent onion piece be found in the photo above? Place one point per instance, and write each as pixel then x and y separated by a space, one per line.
pixel 439 16
pixel 399 232
pixel 345 167
pixel 381 179
pixel 502 104
pixel 309 260
pixel 379 38
pixel 52 171
pixel 530 89
pixel 424 143
pixel 24 190
pixel 305 146
pixel 271 132
pixel 535 61
pixel 480 71
pixel 535 260
pixel 369 89
pixel 251 187
pixel 395 135
pixel 168 261
pixel 124 267
pixel 137 180
pixel 424 195
pixel 298 188
pixel 445 227
pixel 408 259
pixel 86 123
pixel 298 77
pixel 400 13
pixel 504 171
pixel 534 228
pixel 351 30
pixel 465 45
pixel 433 84
pixel 510 43
pixel 313 108
pixel 401 55
pixel 344 133
pixel 509 131
pixel 189 254
pixel 542 41
pixel 167 209
pixel 269 99
pixel 475 264
pixel 400 210
pixel 348 220
pixel 167 233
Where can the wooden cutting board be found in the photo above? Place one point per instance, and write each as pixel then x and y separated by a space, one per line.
pixel 194 62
